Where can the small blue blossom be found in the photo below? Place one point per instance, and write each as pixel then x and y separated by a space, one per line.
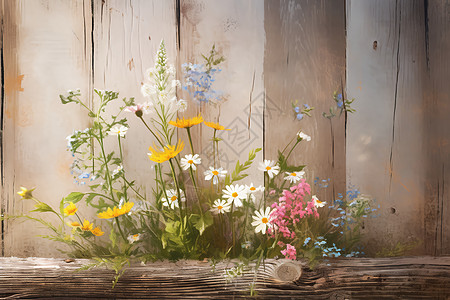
pixel 297 109
pixel 306 241
pixel 306 106
pixel 299 116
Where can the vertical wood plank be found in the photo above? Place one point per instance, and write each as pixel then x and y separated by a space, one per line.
pixel 305 61
pixel 127 35
pixel 45 51
pixel 237 30
pixel 437 126
pixel 384 137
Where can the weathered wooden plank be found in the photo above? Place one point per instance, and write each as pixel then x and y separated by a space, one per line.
pixel 127 35
pixel 386 57
pixel 437 126
pixel 44 54
pixel 237 30
pixel 305 61
pixel 411 278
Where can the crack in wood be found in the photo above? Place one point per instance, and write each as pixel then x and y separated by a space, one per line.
pixel 427 44
pixel 391 162
pixel 250 105
pixel 2 107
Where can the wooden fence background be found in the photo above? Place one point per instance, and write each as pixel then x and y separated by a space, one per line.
pixel 391 55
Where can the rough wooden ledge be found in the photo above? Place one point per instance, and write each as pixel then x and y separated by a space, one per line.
pixel 392 278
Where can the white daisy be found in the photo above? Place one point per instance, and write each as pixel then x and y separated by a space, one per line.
pixel 317 202
pixel 134 238
pixel 118 130
pixel 294 176
pixel 262 220
pixel 251 190
pixel 117 170
pixel 172 200
pixel 270 167
pixel 234 194
pixel 214 174
pixel 221 206
pixel 190 160
pixel 304 136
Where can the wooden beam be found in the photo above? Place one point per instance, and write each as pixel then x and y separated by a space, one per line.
pixel 356 278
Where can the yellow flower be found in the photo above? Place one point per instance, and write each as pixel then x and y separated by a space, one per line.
pixel 115 212
pixel 97 231
pixel 87 226
pixel 70 210
pixel 168 152
pixel 216 126
pixel 25 193
pixel 74 224
pixel 187 123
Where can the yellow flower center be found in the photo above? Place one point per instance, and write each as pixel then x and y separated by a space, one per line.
pixel 265 220
pixel 219 207
pixel 234 195
pixel 190 161
pixel 252 188
pixel 293 174
pixel 215 173
pixel 135 237
pixel 268 168
pixel 173 198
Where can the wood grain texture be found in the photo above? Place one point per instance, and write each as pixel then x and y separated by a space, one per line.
pixel 386 141
pixel 305 61
pixel 44 56
pixel 236 28
pixel 126 37
pixel 437 126
pixel 395 278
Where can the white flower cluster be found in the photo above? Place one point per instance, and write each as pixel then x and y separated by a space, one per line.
pixel 162 85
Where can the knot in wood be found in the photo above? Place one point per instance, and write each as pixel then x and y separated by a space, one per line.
pixel 288 272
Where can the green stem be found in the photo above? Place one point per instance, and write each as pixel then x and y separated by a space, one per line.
pixel 214 148
pixel 108 175
pixel 120 229
pixel 154 134
pixel 123 171
pixel 178 193
pixel 190 139
pixel 196 190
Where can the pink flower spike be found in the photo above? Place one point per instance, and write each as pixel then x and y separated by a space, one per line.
pixel 289 252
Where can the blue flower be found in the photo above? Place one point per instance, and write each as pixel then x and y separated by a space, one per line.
pixel 297 109
pixel 299 116
pixel 339 97
pixel 306 241
pixel 340 104
pixel 306 106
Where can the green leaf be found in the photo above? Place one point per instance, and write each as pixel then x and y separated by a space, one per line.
pixel 74 197
pixel 43 207
pixel 201 222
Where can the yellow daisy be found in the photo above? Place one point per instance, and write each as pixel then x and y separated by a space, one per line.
pixel 115 212
pixel 168 152
pixel 187 123
pixel 216 126
pixel 97 231
pixel 74 224
pixel 25 193
pixel 70 210
pixel 87 226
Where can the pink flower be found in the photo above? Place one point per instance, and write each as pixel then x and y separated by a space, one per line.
pixel 289 252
